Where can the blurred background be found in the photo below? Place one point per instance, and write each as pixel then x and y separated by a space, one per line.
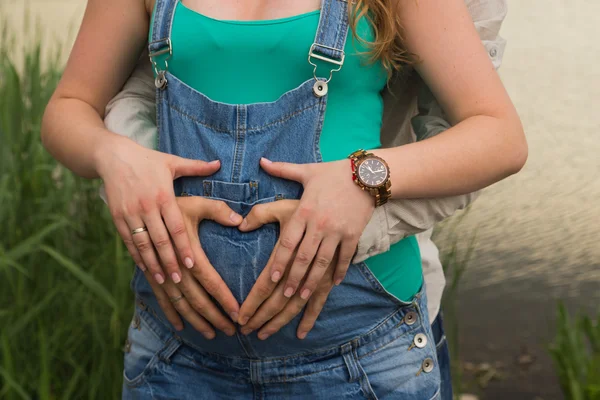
pixel 526 246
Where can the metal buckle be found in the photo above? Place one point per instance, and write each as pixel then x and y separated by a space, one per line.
pixel 157 53
pixel 312 54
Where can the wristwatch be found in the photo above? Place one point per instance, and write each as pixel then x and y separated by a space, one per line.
pixel 371 174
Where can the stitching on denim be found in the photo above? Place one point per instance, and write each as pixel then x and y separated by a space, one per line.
pixel 295 377
pixel 388 343
pixel 183 113
pixel 282 119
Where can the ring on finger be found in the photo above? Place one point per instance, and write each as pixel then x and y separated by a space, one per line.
pixel 175 299
pixel 139 230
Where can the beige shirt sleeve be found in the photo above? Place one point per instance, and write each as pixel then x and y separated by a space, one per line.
pixel 412 113
pixel 132 113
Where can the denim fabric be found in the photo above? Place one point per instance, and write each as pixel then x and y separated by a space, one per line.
pixel 381 364
pixel 359 348
pixel 443 356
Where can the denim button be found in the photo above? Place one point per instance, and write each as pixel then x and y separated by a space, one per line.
pixel 410 318
pixel 420 340
pixel 427 365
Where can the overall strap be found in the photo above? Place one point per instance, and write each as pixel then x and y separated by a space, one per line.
pixel 330 40
pixel 160 48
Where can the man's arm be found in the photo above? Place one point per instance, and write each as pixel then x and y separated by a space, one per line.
pixel 412 113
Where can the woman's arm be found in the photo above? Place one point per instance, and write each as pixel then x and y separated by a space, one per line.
pixel 485 145
pixel 139 182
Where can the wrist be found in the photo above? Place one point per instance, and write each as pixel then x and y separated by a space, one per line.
pixel 106 153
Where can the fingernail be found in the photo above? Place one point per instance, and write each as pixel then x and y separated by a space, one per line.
pixel 214 162
pixel 189 263
pixel 302 335
pixel 142 267
pixel 234 316
pixel 305 294
pixel 230 332
pixel 208 335
pixel 176 278
pixel 246 331
pixel 338 281
pixel 263 336
pixel 178 327
pixel 288 292
pixel 276 276
pixel 159 278
pixel 243 320
pixel 266 160
pixel 244 224
pixel 235 218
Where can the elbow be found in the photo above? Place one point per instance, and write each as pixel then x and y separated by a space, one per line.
pixel 519 150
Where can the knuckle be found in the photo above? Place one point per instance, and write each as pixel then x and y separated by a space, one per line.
pixel 324 223
pixel 305 211
pixel 211 286
pixel 144 205
pixel 129 243
pixel 162 198
pixel 303 257
pixel 178 229
pixel 199 306
pixel 287 243
pixel 144 246
pixel 322 261
pixel 162 242
pixel 263 291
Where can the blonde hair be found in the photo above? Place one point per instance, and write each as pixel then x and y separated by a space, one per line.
pixel 388 45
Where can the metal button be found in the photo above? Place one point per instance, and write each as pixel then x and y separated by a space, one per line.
pixel 161 80
pixel 320 88
pixel 420 340
pixel 410 318
pixel 493 52
pixel 427 365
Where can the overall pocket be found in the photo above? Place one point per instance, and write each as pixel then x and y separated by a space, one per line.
pixel 145 350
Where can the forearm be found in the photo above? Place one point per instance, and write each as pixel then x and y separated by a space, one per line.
pixel 76 141
pixel 475 153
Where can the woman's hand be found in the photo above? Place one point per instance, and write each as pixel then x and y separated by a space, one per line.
pixel 191 298
pixel 139 189
pixel 332 213
pixel 266 306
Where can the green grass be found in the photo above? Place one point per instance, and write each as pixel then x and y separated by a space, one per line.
pixel 64 274
pixel 576 354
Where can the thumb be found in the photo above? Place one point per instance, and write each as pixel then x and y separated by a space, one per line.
pixel 186 167
pixel 261 214
pixel 218 211
pixel 294 172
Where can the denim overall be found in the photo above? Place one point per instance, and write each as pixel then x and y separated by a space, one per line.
pixel 365 344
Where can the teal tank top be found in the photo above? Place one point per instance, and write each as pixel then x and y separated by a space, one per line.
pixel 244 62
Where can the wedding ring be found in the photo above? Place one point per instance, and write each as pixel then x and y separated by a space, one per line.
pixel 139 230
pixel 175 299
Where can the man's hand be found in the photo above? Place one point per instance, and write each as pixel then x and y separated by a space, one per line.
pixel 191 298
pixel 266 306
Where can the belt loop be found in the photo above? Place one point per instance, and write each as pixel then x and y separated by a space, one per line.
pixel 351 364
pixel 173 344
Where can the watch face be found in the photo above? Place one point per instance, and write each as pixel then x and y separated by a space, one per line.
pixel 372 172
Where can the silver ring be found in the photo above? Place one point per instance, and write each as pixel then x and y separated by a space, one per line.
pixel 175 299
pixel 139 230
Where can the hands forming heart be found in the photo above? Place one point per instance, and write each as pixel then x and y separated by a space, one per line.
pixel 265 309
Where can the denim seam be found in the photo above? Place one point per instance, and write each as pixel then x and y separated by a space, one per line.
pixel 389 343
pixel 183 113
pixel 283 119
pixel 296 377
pixel 442 341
